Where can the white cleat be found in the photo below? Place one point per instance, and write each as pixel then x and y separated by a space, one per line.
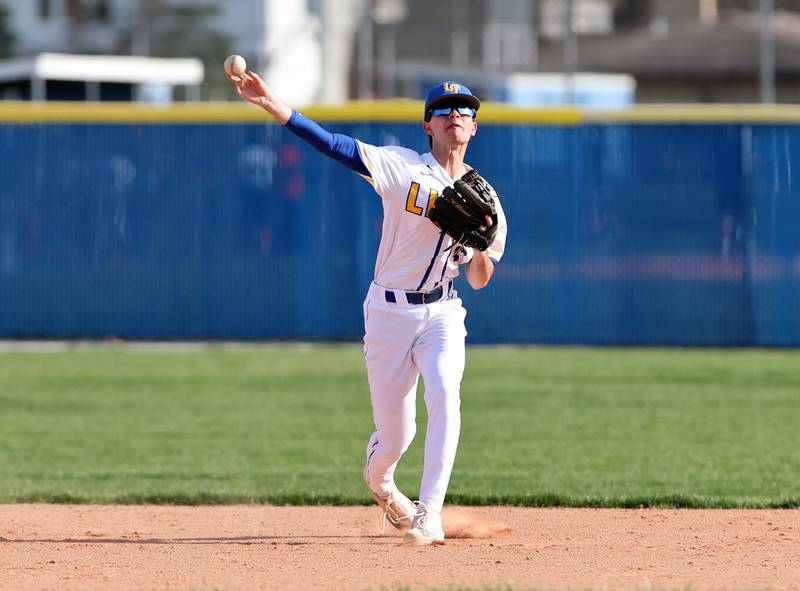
pixel 397 508
pixel 426 529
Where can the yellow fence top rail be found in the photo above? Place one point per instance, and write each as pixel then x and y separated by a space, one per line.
pixel 698 113
pixel 401 110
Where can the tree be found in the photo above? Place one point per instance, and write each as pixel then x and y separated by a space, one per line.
pixel 181 30
pixel 6 34
pixel 629 14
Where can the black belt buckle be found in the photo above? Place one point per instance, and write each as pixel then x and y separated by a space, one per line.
pixel 420 297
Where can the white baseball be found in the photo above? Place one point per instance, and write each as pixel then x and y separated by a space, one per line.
pixel 235 65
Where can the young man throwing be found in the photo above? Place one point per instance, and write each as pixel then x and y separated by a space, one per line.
pixel 413 317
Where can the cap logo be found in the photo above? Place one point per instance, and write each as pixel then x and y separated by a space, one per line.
pixel 452 87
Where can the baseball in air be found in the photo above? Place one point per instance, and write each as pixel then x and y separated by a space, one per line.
pixel 235 65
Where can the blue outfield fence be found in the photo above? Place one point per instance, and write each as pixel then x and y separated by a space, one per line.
pixel 621 232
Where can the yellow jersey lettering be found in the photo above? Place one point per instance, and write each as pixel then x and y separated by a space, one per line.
pixel 431 199
pixel 411 200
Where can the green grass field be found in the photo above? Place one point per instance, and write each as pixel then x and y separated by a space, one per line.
pixel 288 424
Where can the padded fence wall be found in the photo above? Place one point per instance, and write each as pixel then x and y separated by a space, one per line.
pixel 620 233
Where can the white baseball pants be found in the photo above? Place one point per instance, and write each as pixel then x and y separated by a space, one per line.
pixel 401 342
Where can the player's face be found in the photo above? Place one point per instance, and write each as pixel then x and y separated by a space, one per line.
pixel 451 125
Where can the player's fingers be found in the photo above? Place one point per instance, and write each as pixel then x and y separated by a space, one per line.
pixel 240 86
pixel 489 222
pixel 257 78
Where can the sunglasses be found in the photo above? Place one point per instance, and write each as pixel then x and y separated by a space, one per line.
pixel 463 111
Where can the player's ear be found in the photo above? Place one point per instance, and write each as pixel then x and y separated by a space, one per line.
pixel 474 128
pixel 426 127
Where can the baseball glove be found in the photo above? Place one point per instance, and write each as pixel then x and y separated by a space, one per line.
pixel 460 211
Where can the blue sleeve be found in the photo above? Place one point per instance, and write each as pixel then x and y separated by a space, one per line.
pixel 341 148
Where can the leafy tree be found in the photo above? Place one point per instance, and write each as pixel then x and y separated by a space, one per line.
pixel 6 34
pixel 181 30
pixel 632 13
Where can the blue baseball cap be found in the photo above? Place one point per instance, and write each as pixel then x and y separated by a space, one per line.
pixel 447 91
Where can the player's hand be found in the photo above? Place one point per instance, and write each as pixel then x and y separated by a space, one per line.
pixel 489 223
pixel 251 88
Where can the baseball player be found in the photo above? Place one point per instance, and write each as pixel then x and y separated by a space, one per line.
pixel 413 317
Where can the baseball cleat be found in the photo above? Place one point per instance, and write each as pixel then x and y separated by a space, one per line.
pixel 397 508
pixel 426 529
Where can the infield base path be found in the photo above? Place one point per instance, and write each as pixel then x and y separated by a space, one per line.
pixel 267 547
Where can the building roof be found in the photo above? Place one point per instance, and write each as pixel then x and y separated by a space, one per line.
pixel 729 48
pixel 103 68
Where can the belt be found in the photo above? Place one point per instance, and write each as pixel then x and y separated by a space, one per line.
pixel 420 297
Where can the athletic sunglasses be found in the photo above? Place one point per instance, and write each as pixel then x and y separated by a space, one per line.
pixel 463 111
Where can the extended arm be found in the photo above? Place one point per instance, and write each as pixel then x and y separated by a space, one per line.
pixel 341 148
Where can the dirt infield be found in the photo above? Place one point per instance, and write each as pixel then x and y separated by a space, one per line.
pixel 266 547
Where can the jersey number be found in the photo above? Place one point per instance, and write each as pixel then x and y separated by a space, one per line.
pixel 411 200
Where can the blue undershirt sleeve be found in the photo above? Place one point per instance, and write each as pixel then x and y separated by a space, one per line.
pixel 341 148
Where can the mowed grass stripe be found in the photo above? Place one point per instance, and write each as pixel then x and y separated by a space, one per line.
pixel 288 425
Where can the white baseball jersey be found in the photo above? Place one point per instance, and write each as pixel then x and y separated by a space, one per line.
pixel 414 255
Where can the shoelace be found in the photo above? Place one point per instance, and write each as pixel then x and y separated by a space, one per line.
pixel 399 519
pixel 422 518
